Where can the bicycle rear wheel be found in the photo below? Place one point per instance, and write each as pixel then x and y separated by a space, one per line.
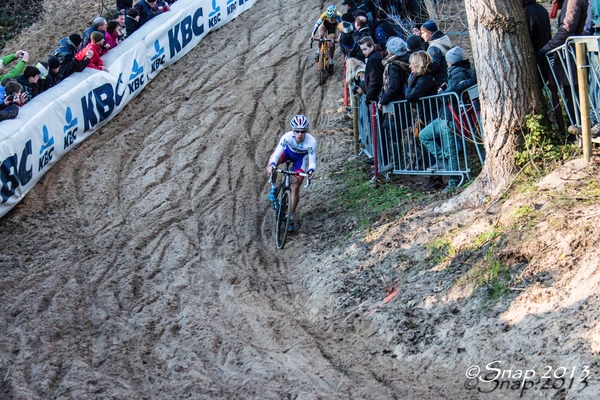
pixel 282 221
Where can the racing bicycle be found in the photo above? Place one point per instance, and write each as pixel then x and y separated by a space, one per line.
pixel 323 61
pixel 282 205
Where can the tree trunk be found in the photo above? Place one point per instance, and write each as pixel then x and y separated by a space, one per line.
pixel 509 89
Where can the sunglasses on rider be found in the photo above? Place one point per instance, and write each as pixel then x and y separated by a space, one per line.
pixel 299 131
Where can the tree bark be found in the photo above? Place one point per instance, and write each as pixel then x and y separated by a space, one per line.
pixel 509 89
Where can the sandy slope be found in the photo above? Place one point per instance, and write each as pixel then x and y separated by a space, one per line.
pixel 142 266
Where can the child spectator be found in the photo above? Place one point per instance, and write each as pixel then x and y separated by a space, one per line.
pixel 95 47
pixel 28 80
pixel 20 55
pixel 111 37
pixel 132 21
pixel 9 106
pixel 65 54
pixel 3 86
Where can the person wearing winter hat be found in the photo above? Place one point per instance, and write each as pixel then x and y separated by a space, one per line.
pixel 93 50
pixel 395 76
pixel 65 53
pixel 415 43
pixel 438 137
pixel 28 80
pixel 439 44
pixel 48 73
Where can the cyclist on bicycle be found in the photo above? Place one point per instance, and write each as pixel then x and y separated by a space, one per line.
pixel 328 23
pixel 297 146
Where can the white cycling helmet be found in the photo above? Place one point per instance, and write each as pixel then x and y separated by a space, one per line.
pixel 330 11
pixel 299 123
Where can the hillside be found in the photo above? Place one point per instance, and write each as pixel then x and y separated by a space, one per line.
pixel 143 265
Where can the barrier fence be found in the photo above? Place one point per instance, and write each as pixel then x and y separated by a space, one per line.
pixel 564 57
pixel 54 122
pixel 430 137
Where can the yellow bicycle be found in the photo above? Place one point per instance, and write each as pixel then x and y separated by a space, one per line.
pixel 323 60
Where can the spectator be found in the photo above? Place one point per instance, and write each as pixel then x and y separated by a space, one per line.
pixel 95 47
pixel 111 37
pixel 571 22
pixel 373 71
pixel 3 84
pixel 132 21
pixel 124 5
pixel 350 48
pixel 415 43
pixel 421 83
pixel 395 76
pixel 28 80
pixel 381 30
pixel 14 99
pixel 352 8
pixel 396 71
pixel 147 10
pixel 99 25
pixel 53 68
pixel 538 23
pixel 42 84
pixel 439 44
pixel 65 53
pixel 120 18
pixel 20 55
pixel 438 136
pixel 361 29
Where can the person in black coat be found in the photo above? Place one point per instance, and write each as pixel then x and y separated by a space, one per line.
pixel 373 70
pixel 132 21
pixel 124 5
pixel 395 76
pixel 65 53
pixel 147 10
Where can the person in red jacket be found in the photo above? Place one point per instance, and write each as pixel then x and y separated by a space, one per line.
pixel 93 50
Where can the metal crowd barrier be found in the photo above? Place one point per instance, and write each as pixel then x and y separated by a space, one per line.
pixel 396 146
pixel 567 60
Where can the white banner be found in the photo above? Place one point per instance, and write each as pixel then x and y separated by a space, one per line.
pixel 51 124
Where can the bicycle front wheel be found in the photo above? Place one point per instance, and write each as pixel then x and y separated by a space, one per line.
pixel 322 69
pixel 282 221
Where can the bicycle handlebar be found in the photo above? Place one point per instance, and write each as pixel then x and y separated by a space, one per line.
pixel 286 172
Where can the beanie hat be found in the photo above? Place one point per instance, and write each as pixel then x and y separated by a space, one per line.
pixel 75 39
pixel 455 55
pixel 396 46
pixel 430 26
pixel 96 36
pixel 413 42
pixel 30 72
pixel 347 27
pixel 348 17
pixel 350 3
pixel 348 42
pixel 53 62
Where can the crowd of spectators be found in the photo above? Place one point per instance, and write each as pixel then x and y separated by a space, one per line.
pixel 20 82
pixel 401 64
pixel 407 61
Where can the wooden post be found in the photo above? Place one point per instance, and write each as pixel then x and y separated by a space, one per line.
pixel 584 100
pixel 355 122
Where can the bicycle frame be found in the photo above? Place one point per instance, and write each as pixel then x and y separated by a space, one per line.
pixel 323 60
pixel 282 205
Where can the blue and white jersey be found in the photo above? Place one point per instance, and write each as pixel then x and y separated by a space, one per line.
pixel 308 147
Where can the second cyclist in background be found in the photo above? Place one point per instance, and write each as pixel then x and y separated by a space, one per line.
pixel 297 146
pixel 327 24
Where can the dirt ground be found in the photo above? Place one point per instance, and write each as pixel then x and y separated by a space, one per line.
pixel 142 266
